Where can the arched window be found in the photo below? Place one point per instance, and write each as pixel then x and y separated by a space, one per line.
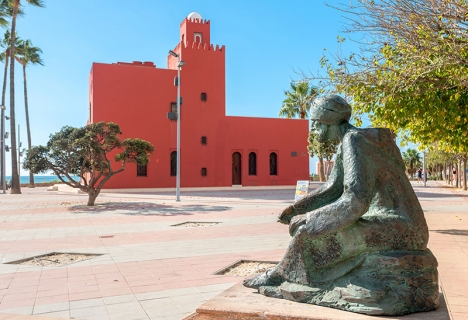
pixel 273 164
pixel 252 164
pixel 198 37
pixel 173 163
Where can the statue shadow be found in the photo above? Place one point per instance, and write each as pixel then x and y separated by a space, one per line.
pixel 146 209
pixel 454 232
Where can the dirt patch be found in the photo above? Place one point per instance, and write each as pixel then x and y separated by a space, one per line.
pixel 55 259
pixel 245 268
pixel 195 224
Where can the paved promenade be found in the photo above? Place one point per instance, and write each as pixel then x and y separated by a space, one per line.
pixel 151 269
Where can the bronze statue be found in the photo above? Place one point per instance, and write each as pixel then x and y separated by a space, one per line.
pixel 359 242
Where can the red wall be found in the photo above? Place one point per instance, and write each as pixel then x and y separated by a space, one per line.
pixel 138 98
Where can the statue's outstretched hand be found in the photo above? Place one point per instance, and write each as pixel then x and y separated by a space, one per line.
pixel 296 222
pixel 286 215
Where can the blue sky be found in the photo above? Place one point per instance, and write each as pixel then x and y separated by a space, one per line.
pixel 266 41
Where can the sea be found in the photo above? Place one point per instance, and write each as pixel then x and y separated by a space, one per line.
pixel 38 179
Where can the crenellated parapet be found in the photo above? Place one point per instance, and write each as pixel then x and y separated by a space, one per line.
pixel 195 20
pixel 200 46
pixel 205 46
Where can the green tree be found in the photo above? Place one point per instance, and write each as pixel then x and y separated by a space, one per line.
pixel 412 75
pixel 85 152
pixel 323 150
pixel 412 160
pixel 28 55
pixel 6 12
pixel 15 181
pixel 298 99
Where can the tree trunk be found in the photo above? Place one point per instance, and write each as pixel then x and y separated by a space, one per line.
pixel 458 185
pixel 15 179
pixel 92 195
pixel 450 172
pixel 28 129
pixel 2 147
pixel 302 114
pixel 322 170
pixel 5 73
pixel 445 173
pixel 2 158
pixel 464 174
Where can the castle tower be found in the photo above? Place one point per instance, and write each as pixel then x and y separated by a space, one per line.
pixel 204 71
pixel 203 91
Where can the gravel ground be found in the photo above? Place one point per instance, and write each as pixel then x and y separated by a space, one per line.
pixel 247 268
pixel 56 259
pixel 196 224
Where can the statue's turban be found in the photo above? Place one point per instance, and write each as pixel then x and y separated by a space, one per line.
pixel 331 110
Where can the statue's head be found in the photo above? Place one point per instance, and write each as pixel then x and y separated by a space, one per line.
pixel 327 113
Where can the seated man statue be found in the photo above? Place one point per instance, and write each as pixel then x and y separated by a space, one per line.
pixel 359 242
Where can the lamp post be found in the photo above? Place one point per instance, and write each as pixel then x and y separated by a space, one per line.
pixel 3 155
pixel 179 65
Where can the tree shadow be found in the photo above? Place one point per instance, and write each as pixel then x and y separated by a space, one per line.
pixel 454 232
pixel 426 194
pixel 265 194
pixel 146 209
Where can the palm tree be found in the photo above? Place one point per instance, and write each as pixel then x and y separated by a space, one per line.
pixel 297 103
pixel 5 57
pixel 15 181
pixel 5 12
pixel 412 159
pixel 298 99
pixel 28 55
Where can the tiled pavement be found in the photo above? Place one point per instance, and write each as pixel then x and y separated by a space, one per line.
pixel 150 269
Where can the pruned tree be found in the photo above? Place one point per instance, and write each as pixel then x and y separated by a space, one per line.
pixel 323 150
pixel 85 152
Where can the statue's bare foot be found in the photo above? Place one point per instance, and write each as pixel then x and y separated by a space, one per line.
pixel 257 281
pixel 268 278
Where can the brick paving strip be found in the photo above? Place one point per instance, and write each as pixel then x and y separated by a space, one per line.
pixel 149 269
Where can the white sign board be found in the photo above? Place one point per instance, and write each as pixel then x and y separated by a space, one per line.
pixel 302 188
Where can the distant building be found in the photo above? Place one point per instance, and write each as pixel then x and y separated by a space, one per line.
pixel 216 150
pixel 327 167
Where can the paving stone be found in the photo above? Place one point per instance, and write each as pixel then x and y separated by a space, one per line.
pixel 60 306
pixel 56 314
pixel 120 299
pixel 88 312
pixel 87 303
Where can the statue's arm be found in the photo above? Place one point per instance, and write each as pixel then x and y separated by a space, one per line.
pixel 327 193
pixel 359 181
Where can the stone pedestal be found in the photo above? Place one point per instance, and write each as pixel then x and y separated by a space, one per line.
pixel 241 303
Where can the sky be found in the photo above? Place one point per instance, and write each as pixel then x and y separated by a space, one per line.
pixel 267 42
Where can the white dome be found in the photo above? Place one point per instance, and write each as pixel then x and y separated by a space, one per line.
pixel 194 15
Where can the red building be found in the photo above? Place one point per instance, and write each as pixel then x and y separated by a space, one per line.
pixel 216 150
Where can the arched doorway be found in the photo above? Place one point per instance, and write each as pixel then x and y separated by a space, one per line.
pixel 236 168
